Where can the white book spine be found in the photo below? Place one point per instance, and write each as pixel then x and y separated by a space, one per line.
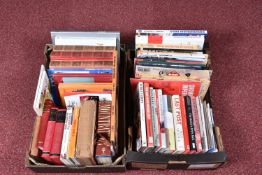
pixel 142 114
pixel 204 125
pixel 162 118
pixel 201 125
pixel 154 118
pixel 179 136
pixel 66 136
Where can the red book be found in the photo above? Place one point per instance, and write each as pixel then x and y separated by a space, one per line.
pixel 43 123
pixel 49 134
pixel 196 125
pixel 158 118
pixel 149 129
pixel 184 124
pixel 58 137
pixel 170 87
pixel 82 56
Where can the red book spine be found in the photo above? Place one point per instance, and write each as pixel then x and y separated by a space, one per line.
pixel 184 124
pixel 82 56
pixel 149 129
pixel 196 125
pixel 43 124
pixel 158 118
pixel 49 135
pixel 58 137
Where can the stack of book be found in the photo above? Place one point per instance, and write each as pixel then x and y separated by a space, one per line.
pixel 78 111
pixel 171 79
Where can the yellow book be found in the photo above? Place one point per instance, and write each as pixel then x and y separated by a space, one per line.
pixel 73 135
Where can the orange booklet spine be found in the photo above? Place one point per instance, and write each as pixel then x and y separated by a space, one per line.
pixel 73 134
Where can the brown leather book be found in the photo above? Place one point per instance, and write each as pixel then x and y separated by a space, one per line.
pixel 86 133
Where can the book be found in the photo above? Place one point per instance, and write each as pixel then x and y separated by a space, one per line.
pixel 170 42
pixel 103 153
pixel 49 135
pixel 42 92
pixel 190 124
pixel 179 136
pixel 71 152
pixel 157 108
pixel 154 120
pixel 169 124
pixel 148 113
pixel 43 123
pixel 82 56
pixel 170 87
pixel 202 125
pixel 58 137
pixel 71 100
pixel 34 151
pixel 75 88
pixel 161 73
pixel 86 133
pixel 75 48
pixel 184 124
pixel 196 125
pixel 172 32
pixel 161 120
pixel 81 64
pixel 66 137
pixel 141 140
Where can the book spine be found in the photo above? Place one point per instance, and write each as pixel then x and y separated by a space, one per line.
pixel 73 134
pixel 190 124
pixel 149 129
pixel 169 124
pixel 196 125
pixel 82 56
pixel 49 135
pixel 184 124
pixel 179 137
pixel 113 122
pixel 66 137
pixel 81 64
pixel 161 121
pixel 157 108
pixel 57 138
pixel 154 118
pixel 202 125
pixel 68 48
pixel 142 114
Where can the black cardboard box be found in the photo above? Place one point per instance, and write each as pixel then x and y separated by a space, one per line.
pixel 128 159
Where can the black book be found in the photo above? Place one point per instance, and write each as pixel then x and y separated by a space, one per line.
pixel 190 123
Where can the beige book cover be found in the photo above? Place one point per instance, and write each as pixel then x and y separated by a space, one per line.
pixel 86 133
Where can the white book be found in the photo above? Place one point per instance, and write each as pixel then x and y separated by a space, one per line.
pixel 66 137
pixel 142 141
pixel 172 42
pixel 154 117
pixel 202 124
pixel 169 124
pixel 173 32
pixel 42 92
pixel 179 136
pixel 85 41
pixel 162 118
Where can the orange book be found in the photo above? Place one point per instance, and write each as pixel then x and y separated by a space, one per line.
pixel 73 135
pixel 72 88
pixel 113 122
